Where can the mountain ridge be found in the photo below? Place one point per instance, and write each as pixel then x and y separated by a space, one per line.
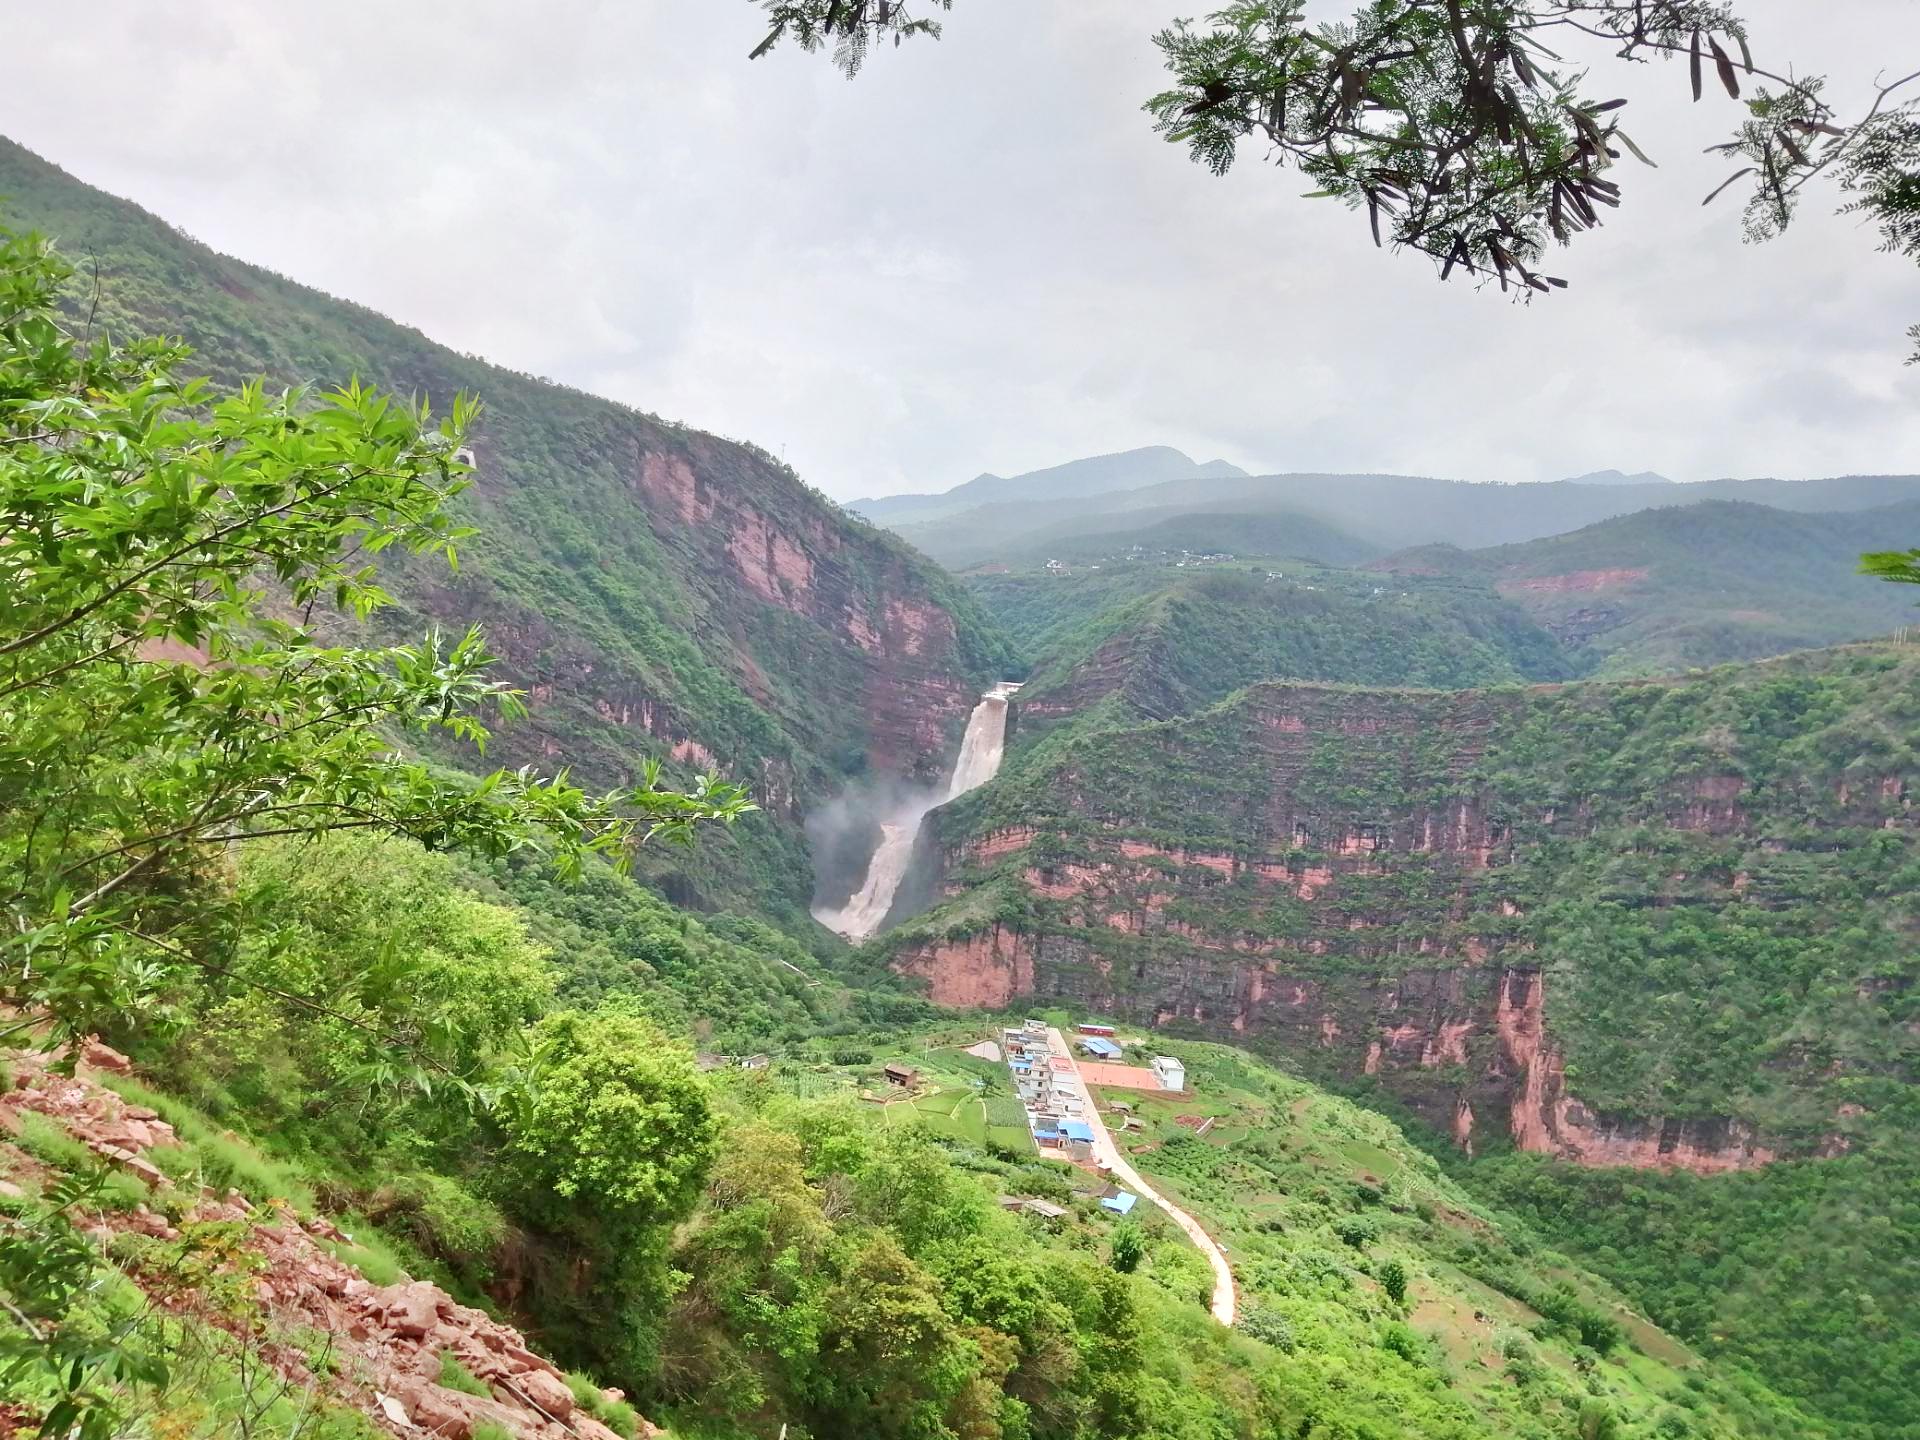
pixel 1677 587
pixel 1390 511
pixel 1616 477
pixel 1089 475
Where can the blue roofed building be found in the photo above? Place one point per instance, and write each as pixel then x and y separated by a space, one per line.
pixel 1120 1203
pixel 1079 1137
pixel 1100 1047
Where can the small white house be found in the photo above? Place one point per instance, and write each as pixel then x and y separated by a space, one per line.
pixel 1170 1072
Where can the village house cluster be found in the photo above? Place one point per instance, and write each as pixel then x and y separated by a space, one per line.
pixel 1056 1107
pixel 1097 1040
pixel 1052 1088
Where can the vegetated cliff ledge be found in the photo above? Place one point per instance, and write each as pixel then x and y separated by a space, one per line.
pixel 658 591
pixel 1661 923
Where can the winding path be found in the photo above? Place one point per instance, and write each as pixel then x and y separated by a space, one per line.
pixel 1109 1155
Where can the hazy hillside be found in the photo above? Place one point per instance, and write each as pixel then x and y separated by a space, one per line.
pixel 1618 477
pixel 1098 474
pixel 1161 631
pixel 1666 589
pixel 1161 540
pixel 1391 511
pixel 659 591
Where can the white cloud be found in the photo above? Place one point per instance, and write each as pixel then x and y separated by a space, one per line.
pixel 974 257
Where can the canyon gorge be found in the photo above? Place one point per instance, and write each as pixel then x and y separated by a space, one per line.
pixel 1536 927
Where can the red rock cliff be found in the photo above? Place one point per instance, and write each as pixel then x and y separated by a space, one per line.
pixel 1359 896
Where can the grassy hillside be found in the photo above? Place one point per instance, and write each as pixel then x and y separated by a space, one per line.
pixel 659 591
pixel 846 1271
pixel 748 1249
pixel 1666 589
pixel 1325 1209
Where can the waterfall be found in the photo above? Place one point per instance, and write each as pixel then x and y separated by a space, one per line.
pixel 985 742
pixel 978 762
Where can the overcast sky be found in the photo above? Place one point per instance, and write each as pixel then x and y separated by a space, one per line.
pixel 976 256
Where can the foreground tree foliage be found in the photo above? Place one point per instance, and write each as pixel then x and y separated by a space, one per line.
pixel 177 566
pixel 165 691
pixel 1470 131
pixel 1459 125
pixel 855 1283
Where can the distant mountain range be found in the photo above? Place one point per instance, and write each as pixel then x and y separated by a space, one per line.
pixel 1615 477
pixel 1098 474
pixel 1383 512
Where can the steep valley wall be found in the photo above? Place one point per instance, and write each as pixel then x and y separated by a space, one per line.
pixel 658 592
pixel 1622 924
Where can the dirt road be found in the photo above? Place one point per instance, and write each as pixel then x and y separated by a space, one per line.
pixel 1109 1155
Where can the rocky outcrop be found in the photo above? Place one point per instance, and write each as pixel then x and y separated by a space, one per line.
pixel 1546 1119
pixel 382 1346
pixel 988 969
pixel 1573 582
pixel 865 605
pixel 869 655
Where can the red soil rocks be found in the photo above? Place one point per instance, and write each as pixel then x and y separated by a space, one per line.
pixel 386 1342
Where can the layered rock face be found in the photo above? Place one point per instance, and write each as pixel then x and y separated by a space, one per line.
pixel 1481 902
pixel 834 641
pixel 770 639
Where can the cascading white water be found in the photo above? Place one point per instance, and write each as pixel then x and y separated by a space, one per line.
pixel 978 762
pixel 985 742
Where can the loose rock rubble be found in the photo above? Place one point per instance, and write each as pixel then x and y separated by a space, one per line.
pixel 386 1341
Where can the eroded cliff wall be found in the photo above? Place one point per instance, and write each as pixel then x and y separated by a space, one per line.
pixel 1661 923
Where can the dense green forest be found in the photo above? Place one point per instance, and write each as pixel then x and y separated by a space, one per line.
pixel 1805 1271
